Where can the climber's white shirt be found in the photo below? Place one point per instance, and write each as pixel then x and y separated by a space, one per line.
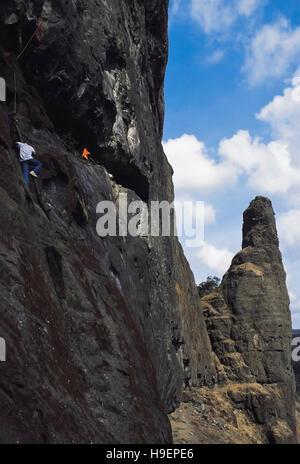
pixel 25 151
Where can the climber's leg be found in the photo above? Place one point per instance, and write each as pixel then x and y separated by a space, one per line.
pixel 37 165
pixel 25 169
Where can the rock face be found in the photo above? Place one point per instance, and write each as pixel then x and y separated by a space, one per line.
pixel 102 334
pixel 249 326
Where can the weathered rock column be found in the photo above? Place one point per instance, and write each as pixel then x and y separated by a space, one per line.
pixel 249 324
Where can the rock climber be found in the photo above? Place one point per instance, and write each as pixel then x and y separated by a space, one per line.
pixel 30 165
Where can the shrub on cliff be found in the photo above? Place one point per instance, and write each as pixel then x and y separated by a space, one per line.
pixel 211 284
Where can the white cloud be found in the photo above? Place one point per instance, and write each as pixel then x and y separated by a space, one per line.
pixel 295 309
pixel 209 210
pixel 212 15
pixel 292 285
pixel 272 51
pixel 267 167
pixel 193 169
pixel 296 321
pixel 215 57
pixel 219 15
pixel 209 214
pixel 289 227
pixel 282 114
pixel 247 7
pixel 214 258
pixel 260 167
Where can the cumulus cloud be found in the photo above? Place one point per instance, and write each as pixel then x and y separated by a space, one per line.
pixel 262 167
pixel 267 167
pixel 194 170
pixel 282 115
pixel 209 210
pixel 212 15
pixel 217 260
pixel 272 51
pixel 289 227
pixel 209 214
pixel 219 15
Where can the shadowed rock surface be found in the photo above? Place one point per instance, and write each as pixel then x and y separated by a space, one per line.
pixel 102 333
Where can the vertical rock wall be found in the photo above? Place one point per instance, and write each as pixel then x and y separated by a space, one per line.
pixel 102 333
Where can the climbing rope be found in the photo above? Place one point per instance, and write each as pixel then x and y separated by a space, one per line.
pixel 18 129
pixel 15 81
pixel 15 108
pixel 15 120
pixel 35 34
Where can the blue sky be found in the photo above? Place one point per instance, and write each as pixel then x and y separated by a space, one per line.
pixel 232 126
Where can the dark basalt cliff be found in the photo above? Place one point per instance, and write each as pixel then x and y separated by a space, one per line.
pixel 103 334
pixel 249 325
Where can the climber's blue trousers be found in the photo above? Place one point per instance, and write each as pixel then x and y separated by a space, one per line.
pixel 27 166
